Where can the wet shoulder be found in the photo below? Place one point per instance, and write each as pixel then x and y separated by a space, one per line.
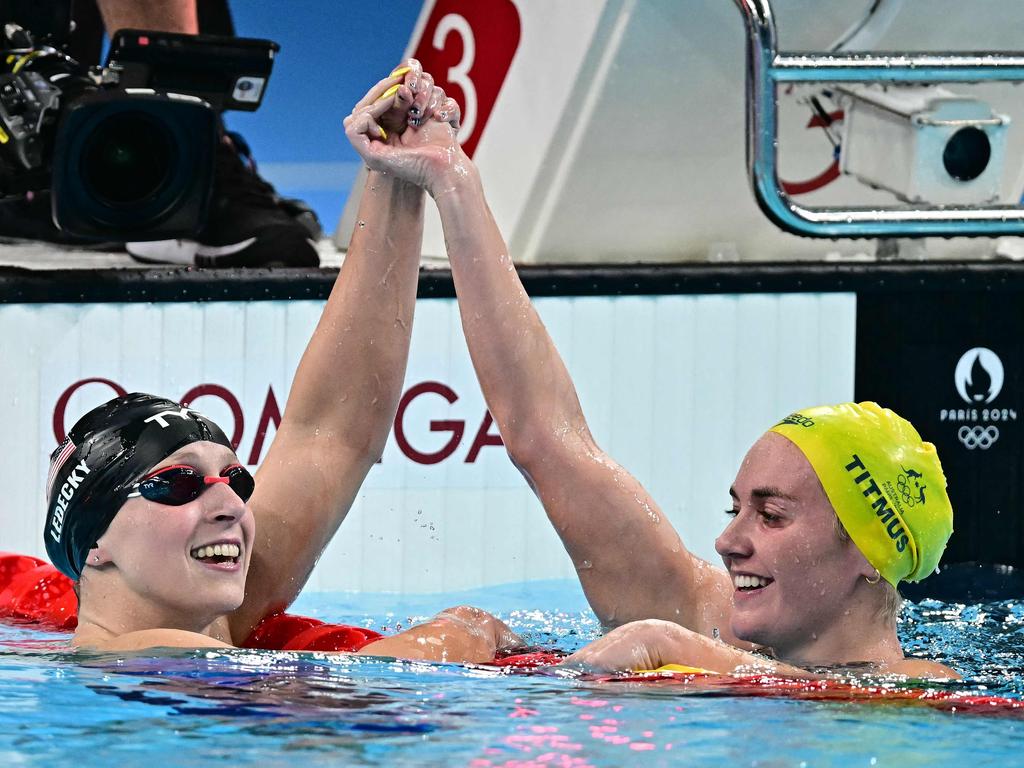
pixel 144 639
pixel 922 668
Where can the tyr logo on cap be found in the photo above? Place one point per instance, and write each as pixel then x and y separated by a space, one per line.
pixel 160 419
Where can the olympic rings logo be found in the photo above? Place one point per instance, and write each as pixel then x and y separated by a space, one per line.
pixel 978 437
pixel 906 490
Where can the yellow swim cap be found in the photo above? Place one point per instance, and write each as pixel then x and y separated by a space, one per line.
pixel 885 483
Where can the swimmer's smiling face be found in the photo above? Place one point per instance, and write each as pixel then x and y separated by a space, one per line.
pixel 792 573
pixel 160 551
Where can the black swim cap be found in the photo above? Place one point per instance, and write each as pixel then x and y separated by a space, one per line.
pixel 108 450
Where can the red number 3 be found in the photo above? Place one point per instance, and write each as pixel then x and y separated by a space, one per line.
pixel 468 46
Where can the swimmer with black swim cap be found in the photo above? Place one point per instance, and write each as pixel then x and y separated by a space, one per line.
pixel 171 540
pixel 106 459
pixel 147 512
pixel 812 588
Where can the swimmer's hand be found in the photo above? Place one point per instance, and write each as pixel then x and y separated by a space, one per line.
pixel 653 643
pixel 406 97
pixel 429 153
pixel 499 637
pixel 459 635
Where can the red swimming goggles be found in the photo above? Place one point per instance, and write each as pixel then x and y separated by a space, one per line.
pixel 180 484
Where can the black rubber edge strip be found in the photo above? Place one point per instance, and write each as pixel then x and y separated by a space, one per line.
pixel 27 286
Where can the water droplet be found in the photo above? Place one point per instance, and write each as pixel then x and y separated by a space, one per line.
pixel 586 564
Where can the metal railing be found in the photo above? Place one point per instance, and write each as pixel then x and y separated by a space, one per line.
pixel 766 68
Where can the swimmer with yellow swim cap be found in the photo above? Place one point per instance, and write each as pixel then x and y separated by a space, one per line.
pixel 831 508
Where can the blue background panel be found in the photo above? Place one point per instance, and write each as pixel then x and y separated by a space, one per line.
pixel 331 53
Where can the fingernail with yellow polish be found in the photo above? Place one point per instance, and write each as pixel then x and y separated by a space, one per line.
pixel 383 134
pixel 400 71
pixel 389 92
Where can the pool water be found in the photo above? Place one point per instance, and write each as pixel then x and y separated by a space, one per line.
pixel 291 709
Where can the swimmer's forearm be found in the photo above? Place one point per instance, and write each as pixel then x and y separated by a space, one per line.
pixel 630 560
pixel 458 635
pixel 350 378
pixel 526 385
pixel 647 645
pixel 437 640
pixel 342 402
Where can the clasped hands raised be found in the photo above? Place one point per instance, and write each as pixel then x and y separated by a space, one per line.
pixel 407 127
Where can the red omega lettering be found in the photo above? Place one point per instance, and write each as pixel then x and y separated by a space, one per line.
pixel 215 390
pixel 483 438
pixel 60 409
pixel 455 427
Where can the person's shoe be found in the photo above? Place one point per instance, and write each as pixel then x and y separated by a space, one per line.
pixel 248 225
pixel 29 217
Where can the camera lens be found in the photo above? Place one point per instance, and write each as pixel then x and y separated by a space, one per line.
pixel 967 154
pixel 128 158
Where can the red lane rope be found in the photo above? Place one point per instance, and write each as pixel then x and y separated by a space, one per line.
pixel 766 686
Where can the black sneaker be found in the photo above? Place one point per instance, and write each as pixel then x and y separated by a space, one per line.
pixel 29 217
pixel 248 224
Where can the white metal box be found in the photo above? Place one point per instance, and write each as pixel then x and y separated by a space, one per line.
pixel 923 143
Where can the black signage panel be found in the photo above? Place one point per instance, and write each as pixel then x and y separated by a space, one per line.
pixel 953 364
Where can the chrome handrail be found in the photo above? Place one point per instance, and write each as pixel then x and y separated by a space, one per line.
pixel 766 67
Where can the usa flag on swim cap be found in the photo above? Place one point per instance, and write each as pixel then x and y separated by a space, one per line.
pixel 60 455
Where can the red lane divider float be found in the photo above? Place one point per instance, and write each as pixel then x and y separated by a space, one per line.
pixel 828 690
pixel 285 632
pixel 34 592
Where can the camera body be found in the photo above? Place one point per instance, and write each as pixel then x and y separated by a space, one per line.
pixel 126 149
pixel 29 106
pixel 924 144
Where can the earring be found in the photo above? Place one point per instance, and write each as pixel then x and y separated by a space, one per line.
pixel 878 577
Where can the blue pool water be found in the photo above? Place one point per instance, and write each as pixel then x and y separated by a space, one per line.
pixel 286 709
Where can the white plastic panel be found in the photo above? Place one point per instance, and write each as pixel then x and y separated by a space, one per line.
pixel 676 388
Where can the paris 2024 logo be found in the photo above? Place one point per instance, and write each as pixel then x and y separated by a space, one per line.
pixel 978 377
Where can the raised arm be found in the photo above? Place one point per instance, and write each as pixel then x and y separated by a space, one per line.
pixel 630 560
pixel 346 389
